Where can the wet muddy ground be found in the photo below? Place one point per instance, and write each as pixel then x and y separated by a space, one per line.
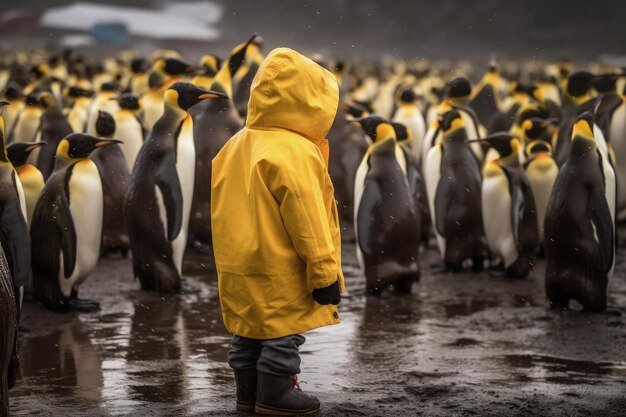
pixel 462 344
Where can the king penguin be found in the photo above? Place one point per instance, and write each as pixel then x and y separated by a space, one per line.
pixel 348 145
pixel 66 227
pixel 387 215
pixel 165 72
pixel 209 66
pixel 541 170
pixel 579 226
pixel 508 207
pixel 115 178
pixel 14 96
pixel 27 122
pixel 410 115
pixel 54 127
pixel 31 178
pixel 215 121
pixel 129 127
pixel 102 102
pixel 453 185
pixel 160 193
pixel 79 109
pixel 245 76
pixel 486 96
pixel 14 237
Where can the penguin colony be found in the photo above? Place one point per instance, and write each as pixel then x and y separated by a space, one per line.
pixel 115 157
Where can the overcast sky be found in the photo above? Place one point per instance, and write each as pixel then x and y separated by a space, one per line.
pixel 444 28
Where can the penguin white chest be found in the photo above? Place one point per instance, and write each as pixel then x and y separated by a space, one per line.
pixel 128 130
pixel 86 206
pixel 496 207
pixel 186 169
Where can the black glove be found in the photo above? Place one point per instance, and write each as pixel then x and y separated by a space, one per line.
pixel 328 295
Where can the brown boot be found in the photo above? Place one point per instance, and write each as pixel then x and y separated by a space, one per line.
pixel 282 396
pixel 246 389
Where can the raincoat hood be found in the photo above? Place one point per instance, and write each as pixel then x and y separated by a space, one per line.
pixel 294 93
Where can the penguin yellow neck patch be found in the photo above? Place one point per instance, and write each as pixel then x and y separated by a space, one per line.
pixel 63 149
pixel 384 131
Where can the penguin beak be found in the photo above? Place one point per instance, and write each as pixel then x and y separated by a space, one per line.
pixel 106 142
pixel 35 146
pixel 211 94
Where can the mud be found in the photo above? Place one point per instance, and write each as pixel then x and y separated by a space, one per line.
pixel 462 344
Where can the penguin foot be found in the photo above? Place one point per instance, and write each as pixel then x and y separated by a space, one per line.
pixel 403 285
pixel 21 328
pixel 437 269
pixel 83 306
pixel 478 263
pixel 498 273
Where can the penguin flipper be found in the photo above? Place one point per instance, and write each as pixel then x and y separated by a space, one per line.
pixel 369 201
pixel 167 180
pixel 65 228
pixel 600 216
pixel 517 207
pixel 443 198
pixel 17 238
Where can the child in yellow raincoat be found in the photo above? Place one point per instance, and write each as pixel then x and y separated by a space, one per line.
pixel 276 232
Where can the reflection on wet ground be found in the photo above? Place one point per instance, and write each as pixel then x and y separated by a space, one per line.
pixel 462 344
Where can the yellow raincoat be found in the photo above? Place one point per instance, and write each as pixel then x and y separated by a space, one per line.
pixel 274 217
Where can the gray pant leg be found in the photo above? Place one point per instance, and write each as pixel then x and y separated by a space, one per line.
pixel 280 356
pixel 245 353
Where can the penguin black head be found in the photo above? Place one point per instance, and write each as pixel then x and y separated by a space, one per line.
pixel 32 99
pixel 108 86
pixel 238 55
pixel 533 127
pixel 184 94
pixel 40 70
pixel 376 127
pixel 18 152
pixel 128 101
pixel 407 95
pixel 459 87
pixel 579 83
pixel 105 124
pixel 163 68
pixel 76 92
pixel 81 145
pixel 13 91
pixel 538 146
pixel 210 64
pixel 529 110
pixel 177 66
pixel 605 83
pixel 138 65
pixel 505 143
pixel 354 110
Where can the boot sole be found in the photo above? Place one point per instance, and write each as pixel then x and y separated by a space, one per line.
pixel 272 411
pixel 247 407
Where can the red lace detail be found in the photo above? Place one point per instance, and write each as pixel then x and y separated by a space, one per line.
pixel 294 379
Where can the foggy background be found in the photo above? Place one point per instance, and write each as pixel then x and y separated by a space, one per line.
pixel 370 29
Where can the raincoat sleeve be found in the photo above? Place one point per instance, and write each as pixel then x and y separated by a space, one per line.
pixel 298 187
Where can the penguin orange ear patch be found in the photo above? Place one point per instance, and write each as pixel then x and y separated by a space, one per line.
pixel 208 95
